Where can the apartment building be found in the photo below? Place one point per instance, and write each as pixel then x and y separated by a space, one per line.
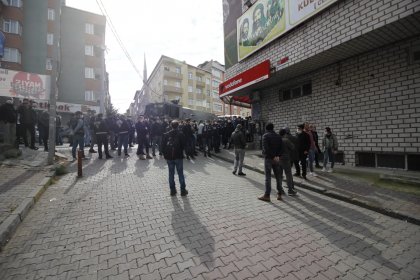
pixel 32 30
pixel 350 65
pixel 222 107
pixel 174 80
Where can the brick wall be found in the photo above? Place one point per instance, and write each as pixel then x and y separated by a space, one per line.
pixel 339 23
pixel 377 102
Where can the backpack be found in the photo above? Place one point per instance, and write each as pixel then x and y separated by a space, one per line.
pixel 171 145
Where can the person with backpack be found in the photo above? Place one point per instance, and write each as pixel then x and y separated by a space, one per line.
pixel 173 145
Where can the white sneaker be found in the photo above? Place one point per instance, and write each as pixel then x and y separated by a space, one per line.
pixel 330 170
pixel 312 174
pixel 323 169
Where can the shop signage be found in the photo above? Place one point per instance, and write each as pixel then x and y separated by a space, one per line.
pixel 251 76
pixel 24 85
pixel 63 107
pixel 267 20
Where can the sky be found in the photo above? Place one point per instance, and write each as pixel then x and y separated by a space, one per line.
pixel 187 30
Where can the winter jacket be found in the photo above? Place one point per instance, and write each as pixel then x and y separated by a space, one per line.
pixel 238 139
pixel 272 145
pixel 8 113
pixel 178 141
pixel 330 142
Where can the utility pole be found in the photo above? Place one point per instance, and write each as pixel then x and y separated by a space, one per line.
pixel 54 83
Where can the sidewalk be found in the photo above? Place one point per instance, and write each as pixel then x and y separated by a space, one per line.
pixel 22 181
pixel 392 203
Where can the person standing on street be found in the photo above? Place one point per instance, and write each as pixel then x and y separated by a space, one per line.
pixel 173 145
pixel 142 129
pixel 272 151
pixel 101 131
pixel 77 126
pixel 43 125
pixel 303 149
pixel 123 129
pixel 330 147
pixel 239 143
pixel 285 161
pixel 27 116
pixel 9 116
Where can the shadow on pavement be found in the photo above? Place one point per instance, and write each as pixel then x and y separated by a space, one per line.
pixel 187 226
pixel 6 186
pixel 345 241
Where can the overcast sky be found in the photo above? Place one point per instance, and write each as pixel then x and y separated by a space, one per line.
pixel 187 30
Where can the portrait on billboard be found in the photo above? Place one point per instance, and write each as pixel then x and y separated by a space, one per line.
pixel 259 25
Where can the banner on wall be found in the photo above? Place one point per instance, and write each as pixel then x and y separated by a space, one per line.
pixel 267 20
pixel 64 107
pixel 24 85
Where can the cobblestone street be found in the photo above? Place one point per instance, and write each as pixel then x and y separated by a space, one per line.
pixel 119 222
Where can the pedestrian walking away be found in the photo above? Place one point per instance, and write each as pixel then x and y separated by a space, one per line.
pixel 239 143
pixel 173 145
pixel 272 153
pixel 285 160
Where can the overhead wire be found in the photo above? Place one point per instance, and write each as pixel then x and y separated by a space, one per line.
pixel 121 44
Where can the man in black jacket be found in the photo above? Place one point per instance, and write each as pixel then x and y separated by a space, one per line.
pixel 28 117
pixel 272 147
pixel 173 145
pixel 101 130
pixel 239 143
pixel 304 145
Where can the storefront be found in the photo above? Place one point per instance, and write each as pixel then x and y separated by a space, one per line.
pixel 352 66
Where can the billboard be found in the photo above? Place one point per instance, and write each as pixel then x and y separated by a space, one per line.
pixel 267 20
pixel 24 85
pixel 232 9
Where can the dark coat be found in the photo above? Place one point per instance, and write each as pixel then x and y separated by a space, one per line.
pixel 304 142
pixel 179 145
pixel 8 113
pixel 238 139
pixel 272 145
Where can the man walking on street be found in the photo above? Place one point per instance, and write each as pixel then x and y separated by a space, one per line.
pixel 239 143
pixel 101 131
pixel 173 145
pixel 272 152
pixel 285 162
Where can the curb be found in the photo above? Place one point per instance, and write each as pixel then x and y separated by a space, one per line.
pixel 9 226
pixel 339 196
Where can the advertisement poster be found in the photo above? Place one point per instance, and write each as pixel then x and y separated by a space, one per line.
pixel 266 20
pixel 24 85
pixel 232 9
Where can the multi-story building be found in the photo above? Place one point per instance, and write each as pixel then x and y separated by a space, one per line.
pixel 171 80
pixel 350 65
pixel 32 31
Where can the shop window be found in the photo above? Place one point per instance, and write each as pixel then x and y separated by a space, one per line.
pixel 365 159
pixel 307 89
pixel 391 160
pixel 413 162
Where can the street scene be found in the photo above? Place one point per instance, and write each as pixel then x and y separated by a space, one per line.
pixel 230 139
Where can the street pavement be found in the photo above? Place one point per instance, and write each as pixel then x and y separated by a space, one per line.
pixel 119 222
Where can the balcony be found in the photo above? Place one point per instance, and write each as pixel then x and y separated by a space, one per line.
pixel 200 83
pixel 173 75
pixel 172 89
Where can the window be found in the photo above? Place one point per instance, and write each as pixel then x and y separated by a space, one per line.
pixel 15 3
pixel 215 94
pixel 89 50
pixel 216 73
pixel 12 55
pixel 166 68
pixel 51 14
pixel 49 64
pixel 89 28
pixel 190 101
pixel 190 89
pixel 12 26
pixel 89 73
pixel 217 107
pixel 296 91
pixel 215 84
pixel 50 39
pixel 199 79
pixel 178 84
pixel 190 76
pixel 178 70
pixel 199 91
pixel 90 95
pixel 208 92
pixel 165 82
pixel 207 81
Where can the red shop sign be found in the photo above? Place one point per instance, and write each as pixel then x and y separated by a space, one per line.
pixel 251 76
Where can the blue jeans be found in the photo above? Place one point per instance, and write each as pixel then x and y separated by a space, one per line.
pixel 123 141
pixel 77 140
pixel 311 159
pixel 268 166
pixel 178 163
pixel 328 154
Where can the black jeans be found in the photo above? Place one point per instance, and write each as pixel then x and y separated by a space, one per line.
pixel 102 139
pixel 302 161
pixel 31 128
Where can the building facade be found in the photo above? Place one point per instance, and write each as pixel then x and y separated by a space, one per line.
pixel 174 80
pixel 350 65
pixel 36 30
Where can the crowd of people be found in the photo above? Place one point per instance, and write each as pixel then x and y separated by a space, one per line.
pixel 176 140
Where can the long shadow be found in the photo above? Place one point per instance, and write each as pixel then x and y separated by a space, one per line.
pixel 119 164
pixel 345 241
pixel 6 186
pixel 141 167
pixel 192 234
